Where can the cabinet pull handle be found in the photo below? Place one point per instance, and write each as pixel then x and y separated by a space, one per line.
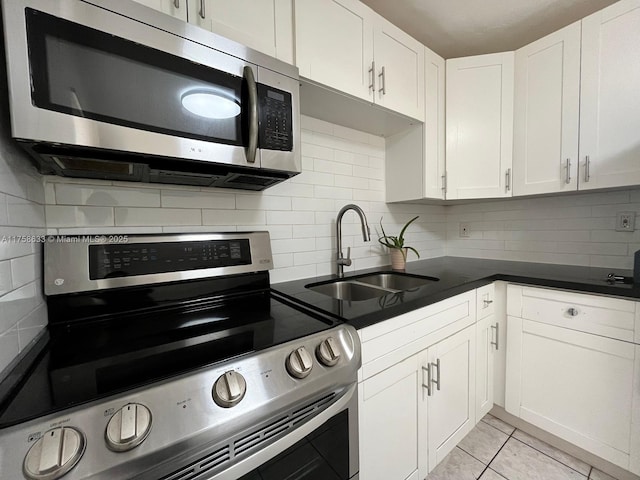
pixel 567 179
pixel 572 312
pixel 587 174
pixel 437 380
pixel 428 385
pixel 202 10
pixel 507 182
pixel 487 302
pixel 176 3
pixel 383 82
pixel 372 71
pixel 496 327
pixel 444 183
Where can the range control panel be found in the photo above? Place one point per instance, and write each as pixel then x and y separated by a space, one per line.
pixel 124 260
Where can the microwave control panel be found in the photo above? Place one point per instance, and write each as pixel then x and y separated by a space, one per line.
pixel 276 119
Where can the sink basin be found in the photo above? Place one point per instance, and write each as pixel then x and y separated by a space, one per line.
pixel 371 285
pixel 348 290
pixel 396 281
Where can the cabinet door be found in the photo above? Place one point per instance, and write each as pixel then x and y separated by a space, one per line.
pixel 575 385
pixel 399 61
pixel 389 413
pixel 487 343
pixel 175 8
pixel 546 114
pixel 334 44
pixel 451 408
pixel 609 100
pixel 266 26
pixel 434 152
pixel 479 126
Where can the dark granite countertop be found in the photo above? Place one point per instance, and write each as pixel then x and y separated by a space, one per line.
pixel 456 275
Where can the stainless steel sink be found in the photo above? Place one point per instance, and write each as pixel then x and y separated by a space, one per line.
pixel 396 281
pixel 371 285
pixel 348 290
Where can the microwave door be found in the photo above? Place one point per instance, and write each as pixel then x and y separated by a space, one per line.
pixel 96 79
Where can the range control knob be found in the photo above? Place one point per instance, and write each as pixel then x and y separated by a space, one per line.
pixel 328 352
pixel 299 363
pixel 128 427
pixel 229 389
pixel 54 454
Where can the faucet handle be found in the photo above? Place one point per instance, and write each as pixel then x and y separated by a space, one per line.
pixel 345 260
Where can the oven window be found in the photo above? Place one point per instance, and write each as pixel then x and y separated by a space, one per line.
pixel 322 455
pixel 87 73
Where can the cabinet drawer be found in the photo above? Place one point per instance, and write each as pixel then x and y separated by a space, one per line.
pixel 389 342
pixel 600 315
pixel 485 301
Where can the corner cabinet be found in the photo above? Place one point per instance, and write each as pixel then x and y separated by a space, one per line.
pixel 479 124
pixel 609 99
pixel 415 159
pixel 546 114
pixel 417 388
pixel 573 369
pixel 364 55
pixel 266 26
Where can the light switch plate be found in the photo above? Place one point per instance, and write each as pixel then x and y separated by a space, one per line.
pixel 625 221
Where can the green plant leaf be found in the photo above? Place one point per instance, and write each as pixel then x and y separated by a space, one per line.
pixel 401 236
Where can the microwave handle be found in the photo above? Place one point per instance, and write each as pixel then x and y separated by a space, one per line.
pixel 252 147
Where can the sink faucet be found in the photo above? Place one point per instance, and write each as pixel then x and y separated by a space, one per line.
pixel 366 235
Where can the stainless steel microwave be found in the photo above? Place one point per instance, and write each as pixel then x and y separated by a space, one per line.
pixel 112 89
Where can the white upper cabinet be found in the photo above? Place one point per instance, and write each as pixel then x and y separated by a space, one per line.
pixel 546 114
pixel 610 99
pixel 175 8
pixel 415 158
pixel 399 66
pixel 479 126
pixel 334 44
pixel 434 153
pixel 266 26
pixel 346 46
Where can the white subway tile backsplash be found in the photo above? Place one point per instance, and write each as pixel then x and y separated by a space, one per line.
pixel 293 245
pixel 336 168
pixel 6 283
pixel 289 218
pixel 79 216
pixel 24 213
pixel 316 151
pixel 262 202
pixel 24 270
pixel 16 304
pixel 233 217
pixel 126 216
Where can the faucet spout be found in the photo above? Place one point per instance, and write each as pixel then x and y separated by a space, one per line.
pixel 366 235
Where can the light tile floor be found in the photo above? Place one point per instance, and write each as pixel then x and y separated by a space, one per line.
pixel 494 450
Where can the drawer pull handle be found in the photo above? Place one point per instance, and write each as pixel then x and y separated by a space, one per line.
pixel 437 380
pixel 487 302
pixel 497 342
pixel 572 312
pixel 428 385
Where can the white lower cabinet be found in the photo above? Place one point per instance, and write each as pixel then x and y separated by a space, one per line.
pixel 417 389
pixel 582 386
pixel 449 370
pixel 487 344
pixel 391 443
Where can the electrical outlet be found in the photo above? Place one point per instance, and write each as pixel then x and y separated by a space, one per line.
pixel 625 221
pixel 464 230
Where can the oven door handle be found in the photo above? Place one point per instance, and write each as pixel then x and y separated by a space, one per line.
pixel 252 146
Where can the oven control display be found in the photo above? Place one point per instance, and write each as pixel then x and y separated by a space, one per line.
pixel 131 259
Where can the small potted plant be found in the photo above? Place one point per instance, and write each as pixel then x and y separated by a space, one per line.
pixel 397 247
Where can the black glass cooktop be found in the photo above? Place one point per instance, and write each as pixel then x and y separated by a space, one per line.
pixel 81 362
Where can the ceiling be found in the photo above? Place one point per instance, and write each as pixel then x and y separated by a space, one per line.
pixel 458 28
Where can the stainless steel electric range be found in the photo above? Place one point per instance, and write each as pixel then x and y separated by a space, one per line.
pixel 168 357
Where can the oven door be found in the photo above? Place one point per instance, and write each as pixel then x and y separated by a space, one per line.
pixel 83 76
pixel 324 448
